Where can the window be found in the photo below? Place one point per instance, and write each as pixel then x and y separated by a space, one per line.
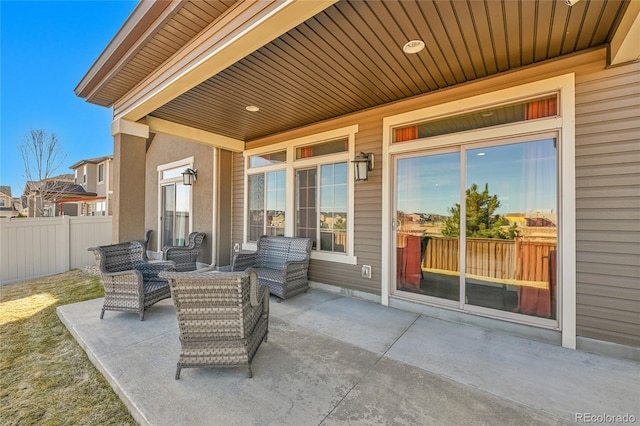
pixel 266 204
pixel 311 185
pixel 546 106
pixel 100 208
pixel 84 174
pixel 326 221
pixel 2 203
pixel 100 173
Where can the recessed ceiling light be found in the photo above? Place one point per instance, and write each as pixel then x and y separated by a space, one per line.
pixel 252 108
pixel 487 114
pixel 413 46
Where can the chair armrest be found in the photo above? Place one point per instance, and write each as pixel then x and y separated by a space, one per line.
pixel 152 269
pixel 131 279
pixel 177 249
pixel 258 294
pixel 242 261
pixel 132 272
pixel 295 265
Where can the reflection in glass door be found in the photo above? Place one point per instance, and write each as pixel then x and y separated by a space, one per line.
pixel 507 206
pixel 176 200
pixel 427 261
pixel 511 227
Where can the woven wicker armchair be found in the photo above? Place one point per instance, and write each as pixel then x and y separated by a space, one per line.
pixel 185 256
pixel 223 317
pixel 131 283
pixel 282 264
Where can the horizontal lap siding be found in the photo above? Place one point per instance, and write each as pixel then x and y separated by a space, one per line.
pixel 607 189
pixel 237 196
pixel 608 204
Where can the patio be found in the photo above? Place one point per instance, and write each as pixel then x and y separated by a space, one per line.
pixel 332 359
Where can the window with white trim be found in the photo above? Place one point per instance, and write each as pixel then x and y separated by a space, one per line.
pixel 308 181
pixel 100 172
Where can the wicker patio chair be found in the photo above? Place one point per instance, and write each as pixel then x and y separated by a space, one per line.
pixel 282 264
pixel 131 283
pixel 223 317
pixel 185 256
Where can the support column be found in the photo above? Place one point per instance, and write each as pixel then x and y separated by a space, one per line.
pixel 129 160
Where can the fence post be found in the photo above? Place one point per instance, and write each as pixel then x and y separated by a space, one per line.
pixel 66 249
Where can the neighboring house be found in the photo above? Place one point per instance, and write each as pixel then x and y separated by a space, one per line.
pixel 96 176
pixel 55 196
pixel 531 105
pixel 7 206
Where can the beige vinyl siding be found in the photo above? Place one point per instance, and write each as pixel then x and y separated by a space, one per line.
pixel 607 187
pixel 608 204
pixel 237 199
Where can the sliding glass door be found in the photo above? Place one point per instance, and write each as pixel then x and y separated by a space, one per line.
pixel 477 225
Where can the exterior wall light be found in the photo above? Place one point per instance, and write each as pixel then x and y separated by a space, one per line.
pixel 189 176
pixel 363 164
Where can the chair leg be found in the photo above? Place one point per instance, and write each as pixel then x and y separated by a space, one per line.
pixel 142 315
pixel 102 314
pixel 249 372
pixel 178 372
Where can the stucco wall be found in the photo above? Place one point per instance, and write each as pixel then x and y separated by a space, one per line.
pixel 165 149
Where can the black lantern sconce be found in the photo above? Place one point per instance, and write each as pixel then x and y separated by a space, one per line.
pixel 189 176
pixel 362 164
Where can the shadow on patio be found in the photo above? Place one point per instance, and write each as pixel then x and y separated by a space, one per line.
pixel 332 359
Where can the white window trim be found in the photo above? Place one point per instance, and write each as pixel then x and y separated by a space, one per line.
pixel 186 163
pixel 290 166
pixel 564 124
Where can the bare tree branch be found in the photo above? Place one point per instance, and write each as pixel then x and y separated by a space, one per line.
pixel 42 154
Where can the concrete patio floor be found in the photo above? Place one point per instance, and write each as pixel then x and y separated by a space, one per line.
pixel 336 360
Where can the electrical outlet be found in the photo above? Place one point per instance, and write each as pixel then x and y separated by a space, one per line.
pixel 366 271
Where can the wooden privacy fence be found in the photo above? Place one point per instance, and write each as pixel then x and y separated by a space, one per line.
pixel 37 247
pixel 509 260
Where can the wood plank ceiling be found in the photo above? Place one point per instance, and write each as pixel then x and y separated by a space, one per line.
pixel 350 57
pixel 188 20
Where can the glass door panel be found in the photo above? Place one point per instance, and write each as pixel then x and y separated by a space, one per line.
pixel 181 227
pixel 511 227
pixel 176 200
pixel 168 214
pixel 427 256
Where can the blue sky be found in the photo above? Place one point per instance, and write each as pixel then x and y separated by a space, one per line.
pixel 46 48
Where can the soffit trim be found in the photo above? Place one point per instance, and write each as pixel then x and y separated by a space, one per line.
pixel 139 27
pixel 243 29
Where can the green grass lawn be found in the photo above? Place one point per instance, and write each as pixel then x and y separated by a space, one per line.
pixel 45 377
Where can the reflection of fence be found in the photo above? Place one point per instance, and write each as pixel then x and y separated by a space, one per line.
pixel 486 257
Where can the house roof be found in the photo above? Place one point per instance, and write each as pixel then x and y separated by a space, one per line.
pixel 96 160
pixel 174 61
pixel 6 190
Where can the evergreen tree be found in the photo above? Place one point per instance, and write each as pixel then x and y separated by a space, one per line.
pixel 481 220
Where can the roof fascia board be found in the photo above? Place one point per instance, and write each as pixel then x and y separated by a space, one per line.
pixel 243 29
pixel 624 45
pixel 143 22
pixel 158 125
